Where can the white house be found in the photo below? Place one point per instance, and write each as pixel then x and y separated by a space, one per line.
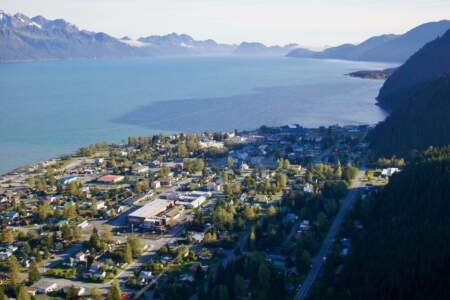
pixel 83 224
pixel 80 257
pixel 146 276
pixel 156 184
pixel 389 171
pixel 45 287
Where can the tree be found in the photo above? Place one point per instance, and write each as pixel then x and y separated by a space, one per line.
pixel 272 211
pixel 237 188
pixel 135 244
pixel 69 211
pixel 128 257
pixel 76 233
pixel 249 213
pixel 182 150
pixel 282 180
pixel 279 164
pixel 66 231
pixel 239 286
pixel 22 294
pixel 13 270
pixel 287 164
pixel 263 274
pixel 230 162
pixel 33 274
pixel 7 237
pixel 94 241
pixel 164 171
pixel 93 210
pixel 107 235
pixel 43 212
pixel 338 172
pixel 252 239
pixel 228 190
pixel 95 294
pixel 2 295
pixel 72 293
pixel 114 293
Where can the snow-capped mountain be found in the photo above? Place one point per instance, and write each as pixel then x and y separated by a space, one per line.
pixel 24 38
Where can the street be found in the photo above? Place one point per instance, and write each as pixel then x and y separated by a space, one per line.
pixel 318 261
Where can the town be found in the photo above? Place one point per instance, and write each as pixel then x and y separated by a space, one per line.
pixel 185 216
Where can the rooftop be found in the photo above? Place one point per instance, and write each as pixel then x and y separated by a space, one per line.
pixel 150 208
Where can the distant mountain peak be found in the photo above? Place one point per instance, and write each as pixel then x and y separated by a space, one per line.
pixel 22 38
pixel 386 47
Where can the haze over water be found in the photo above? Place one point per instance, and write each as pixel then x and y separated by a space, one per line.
pixel 54 107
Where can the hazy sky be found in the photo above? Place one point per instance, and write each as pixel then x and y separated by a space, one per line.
pixel 306 22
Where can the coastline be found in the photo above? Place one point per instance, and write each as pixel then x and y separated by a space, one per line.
pixel 372 74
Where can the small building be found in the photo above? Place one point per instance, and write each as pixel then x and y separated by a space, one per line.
pixel 146 276
pixel 389 172
pixel 45 287
pixel 83 224
pixel 109 179
pixel 192 200
pixel 141 170
pixel 198 237
pixel 67 179
pixel 32 290
pixel 100 205
pixel 80 257
pixel 156 184
pixel 167 181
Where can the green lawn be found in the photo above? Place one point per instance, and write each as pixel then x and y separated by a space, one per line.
pixel 67 273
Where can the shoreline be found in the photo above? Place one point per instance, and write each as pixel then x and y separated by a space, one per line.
pixel 55 159
pixel 372 74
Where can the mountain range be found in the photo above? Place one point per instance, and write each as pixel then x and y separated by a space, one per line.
pixel 387 48
pixel 23 38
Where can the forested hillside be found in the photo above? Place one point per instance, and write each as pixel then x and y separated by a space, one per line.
pixel 422 120
pixel 425 65
pixel 403 252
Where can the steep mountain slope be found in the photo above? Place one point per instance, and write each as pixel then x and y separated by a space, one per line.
pixel 428 63
pixel 421 121
pixel 403 253
pixel 389 47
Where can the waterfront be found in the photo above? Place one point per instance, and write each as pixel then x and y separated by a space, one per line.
pixel 59 106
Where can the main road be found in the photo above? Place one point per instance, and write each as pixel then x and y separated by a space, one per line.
pixel 318 261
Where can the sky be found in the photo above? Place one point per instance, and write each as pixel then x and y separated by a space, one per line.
pixel 310 23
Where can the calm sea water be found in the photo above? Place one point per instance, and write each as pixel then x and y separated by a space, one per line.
pixel 52 108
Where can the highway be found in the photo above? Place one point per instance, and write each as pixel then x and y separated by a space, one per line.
pixel 318 261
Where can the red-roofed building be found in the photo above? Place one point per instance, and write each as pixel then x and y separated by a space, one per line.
pixel 125 297
pixel 110 179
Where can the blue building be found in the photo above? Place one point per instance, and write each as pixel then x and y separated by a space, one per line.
pixel 67 179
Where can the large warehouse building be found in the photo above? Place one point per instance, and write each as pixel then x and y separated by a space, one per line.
pixel 150 209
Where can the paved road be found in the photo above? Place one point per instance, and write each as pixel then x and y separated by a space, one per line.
pixel 318 261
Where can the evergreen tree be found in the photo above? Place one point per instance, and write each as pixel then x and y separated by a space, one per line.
pixel 22 294
pixel 13 271
pixel 128 257
pixel 95 294
pixel 114 293
pixel 72 293
pixel 33 274
pixel 230 162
